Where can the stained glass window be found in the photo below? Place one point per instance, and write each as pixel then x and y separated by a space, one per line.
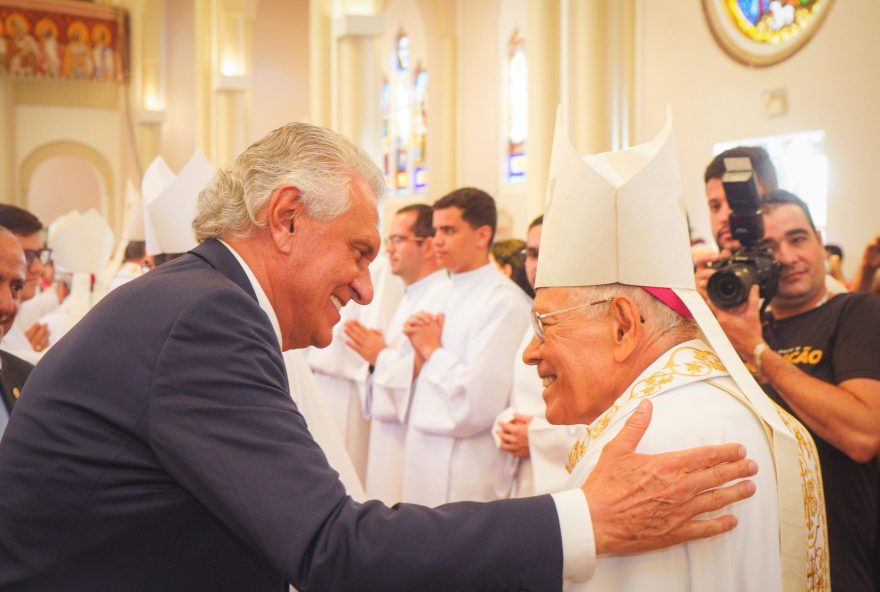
pixel 517 108
pixel 420 129
pixel 404 104
pixel 402 115
pixel 385 104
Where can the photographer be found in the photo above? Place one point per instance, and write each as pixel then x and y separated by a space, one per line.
pixel 817 355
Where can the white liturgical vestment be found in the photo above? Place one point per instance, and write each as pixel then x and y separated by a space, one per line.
pixel 389 389
pixel 341 374
pixel 449 452
pixel 695 403
pixel 543 470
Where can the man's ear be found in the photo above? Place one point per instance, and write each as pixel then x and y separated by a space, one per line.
pixel 484 235
pixel 285 208
pixel 627 327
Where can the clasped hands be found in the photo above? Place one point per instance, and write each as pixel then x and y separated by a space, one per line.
pixel 424 330
pixel 514 435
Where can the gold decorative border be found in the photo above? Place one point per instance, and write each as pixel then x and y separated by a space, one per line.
pixel 818 560
pixel 761 49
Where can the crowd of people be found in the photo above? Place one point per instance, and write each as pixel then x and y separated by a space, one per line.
pixel 192 430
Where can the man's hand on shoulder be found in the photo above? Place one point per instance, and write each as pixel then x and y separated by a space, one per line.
pixel 642 502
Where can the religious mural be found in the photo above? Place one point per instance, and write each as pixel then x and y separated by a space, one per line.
pixel 63 41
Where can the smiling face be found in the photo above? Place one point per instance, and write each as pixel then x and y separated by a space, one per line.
pixel 794 243
pixel 575 360
pixel 325 267
pixel 12 280
pixel 458 246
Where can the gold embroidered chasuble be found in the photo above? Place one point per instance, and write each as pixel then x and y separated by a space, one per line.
pixel 692 377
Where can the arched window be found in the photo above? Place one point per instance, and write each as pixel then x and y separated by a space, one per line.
pixel 385 104
pixel 404 103
pixel 517 108
pixel 420 129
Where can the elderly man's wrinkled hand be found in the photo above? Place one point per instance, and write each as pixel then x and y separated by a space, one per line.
pixel 644 502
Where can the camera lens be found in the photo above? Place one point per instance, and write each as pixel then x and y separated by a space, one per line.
pixel 729 286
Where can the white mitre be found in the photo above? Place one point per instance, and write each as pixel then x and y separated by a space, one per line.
pixel 81 243
pixel 168 215
pixel 615 217
pixel 156 178
pixel 618 217
pixel 133 218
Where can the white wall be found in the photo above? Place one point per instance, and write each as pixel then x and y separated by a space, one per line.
pixel 833 83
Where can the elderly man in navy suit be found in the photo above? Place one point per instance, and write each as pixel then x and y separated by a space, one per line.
pixel 156 447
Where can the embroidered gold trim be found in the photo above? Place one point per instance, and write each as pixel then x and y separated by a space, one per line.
pixel 578 450
pixel 685 361
pixel 818 560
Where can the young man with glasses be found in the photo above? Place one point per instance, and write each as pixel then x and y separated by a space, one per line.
pixel 28 338
pixel 466 353
pixel 390 355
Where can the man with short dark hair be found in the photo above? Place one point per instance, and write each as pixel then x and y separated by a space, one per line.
pixel 463 356
pixel 13 370
pixel 33 339
pixel 817 356
pixel 390 355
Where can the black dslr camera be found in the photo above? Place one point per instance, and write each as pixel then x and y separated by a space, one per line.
pixel 729 286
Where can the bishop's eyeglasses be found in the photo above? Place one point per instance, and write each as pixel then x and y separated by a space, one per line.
pixel 538 317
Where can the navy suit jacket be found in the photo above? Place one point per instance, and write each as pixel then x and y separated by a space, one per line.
pixel 156 447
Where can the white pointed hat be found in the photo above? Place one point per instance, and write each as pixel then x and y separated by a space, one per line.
pixel 133 219
pixel 615 217
pixel 81 243
pixel 171 212
pixel 156 178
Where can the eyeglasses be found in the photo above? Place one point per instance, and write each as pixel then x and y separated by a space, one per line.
pixel 538 318
pixel 529 253
pixel 399 239
pixel 31 255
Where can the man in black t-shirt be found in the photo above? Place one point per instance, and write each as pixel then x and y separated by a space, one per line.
pixel 818 356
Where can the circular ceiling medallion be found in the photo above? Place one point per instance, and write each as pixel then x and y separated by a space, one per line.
pixel 763 32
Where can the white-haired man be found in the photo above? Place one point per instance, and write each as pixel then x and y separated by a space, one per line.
pixel 188 467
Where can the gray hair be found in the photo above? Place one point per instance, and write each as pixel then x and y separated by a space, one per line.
pixel 319 162
pixel 659 318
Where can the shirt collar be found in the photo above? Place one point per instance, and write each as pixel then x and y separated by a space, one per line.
pixel 262 299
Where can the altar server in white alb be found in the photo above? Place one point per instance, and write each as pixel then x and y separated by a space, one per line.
pixel 463 359
pixel 616 321
pixel 531 451
pixel 410 252
pixel 341 374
